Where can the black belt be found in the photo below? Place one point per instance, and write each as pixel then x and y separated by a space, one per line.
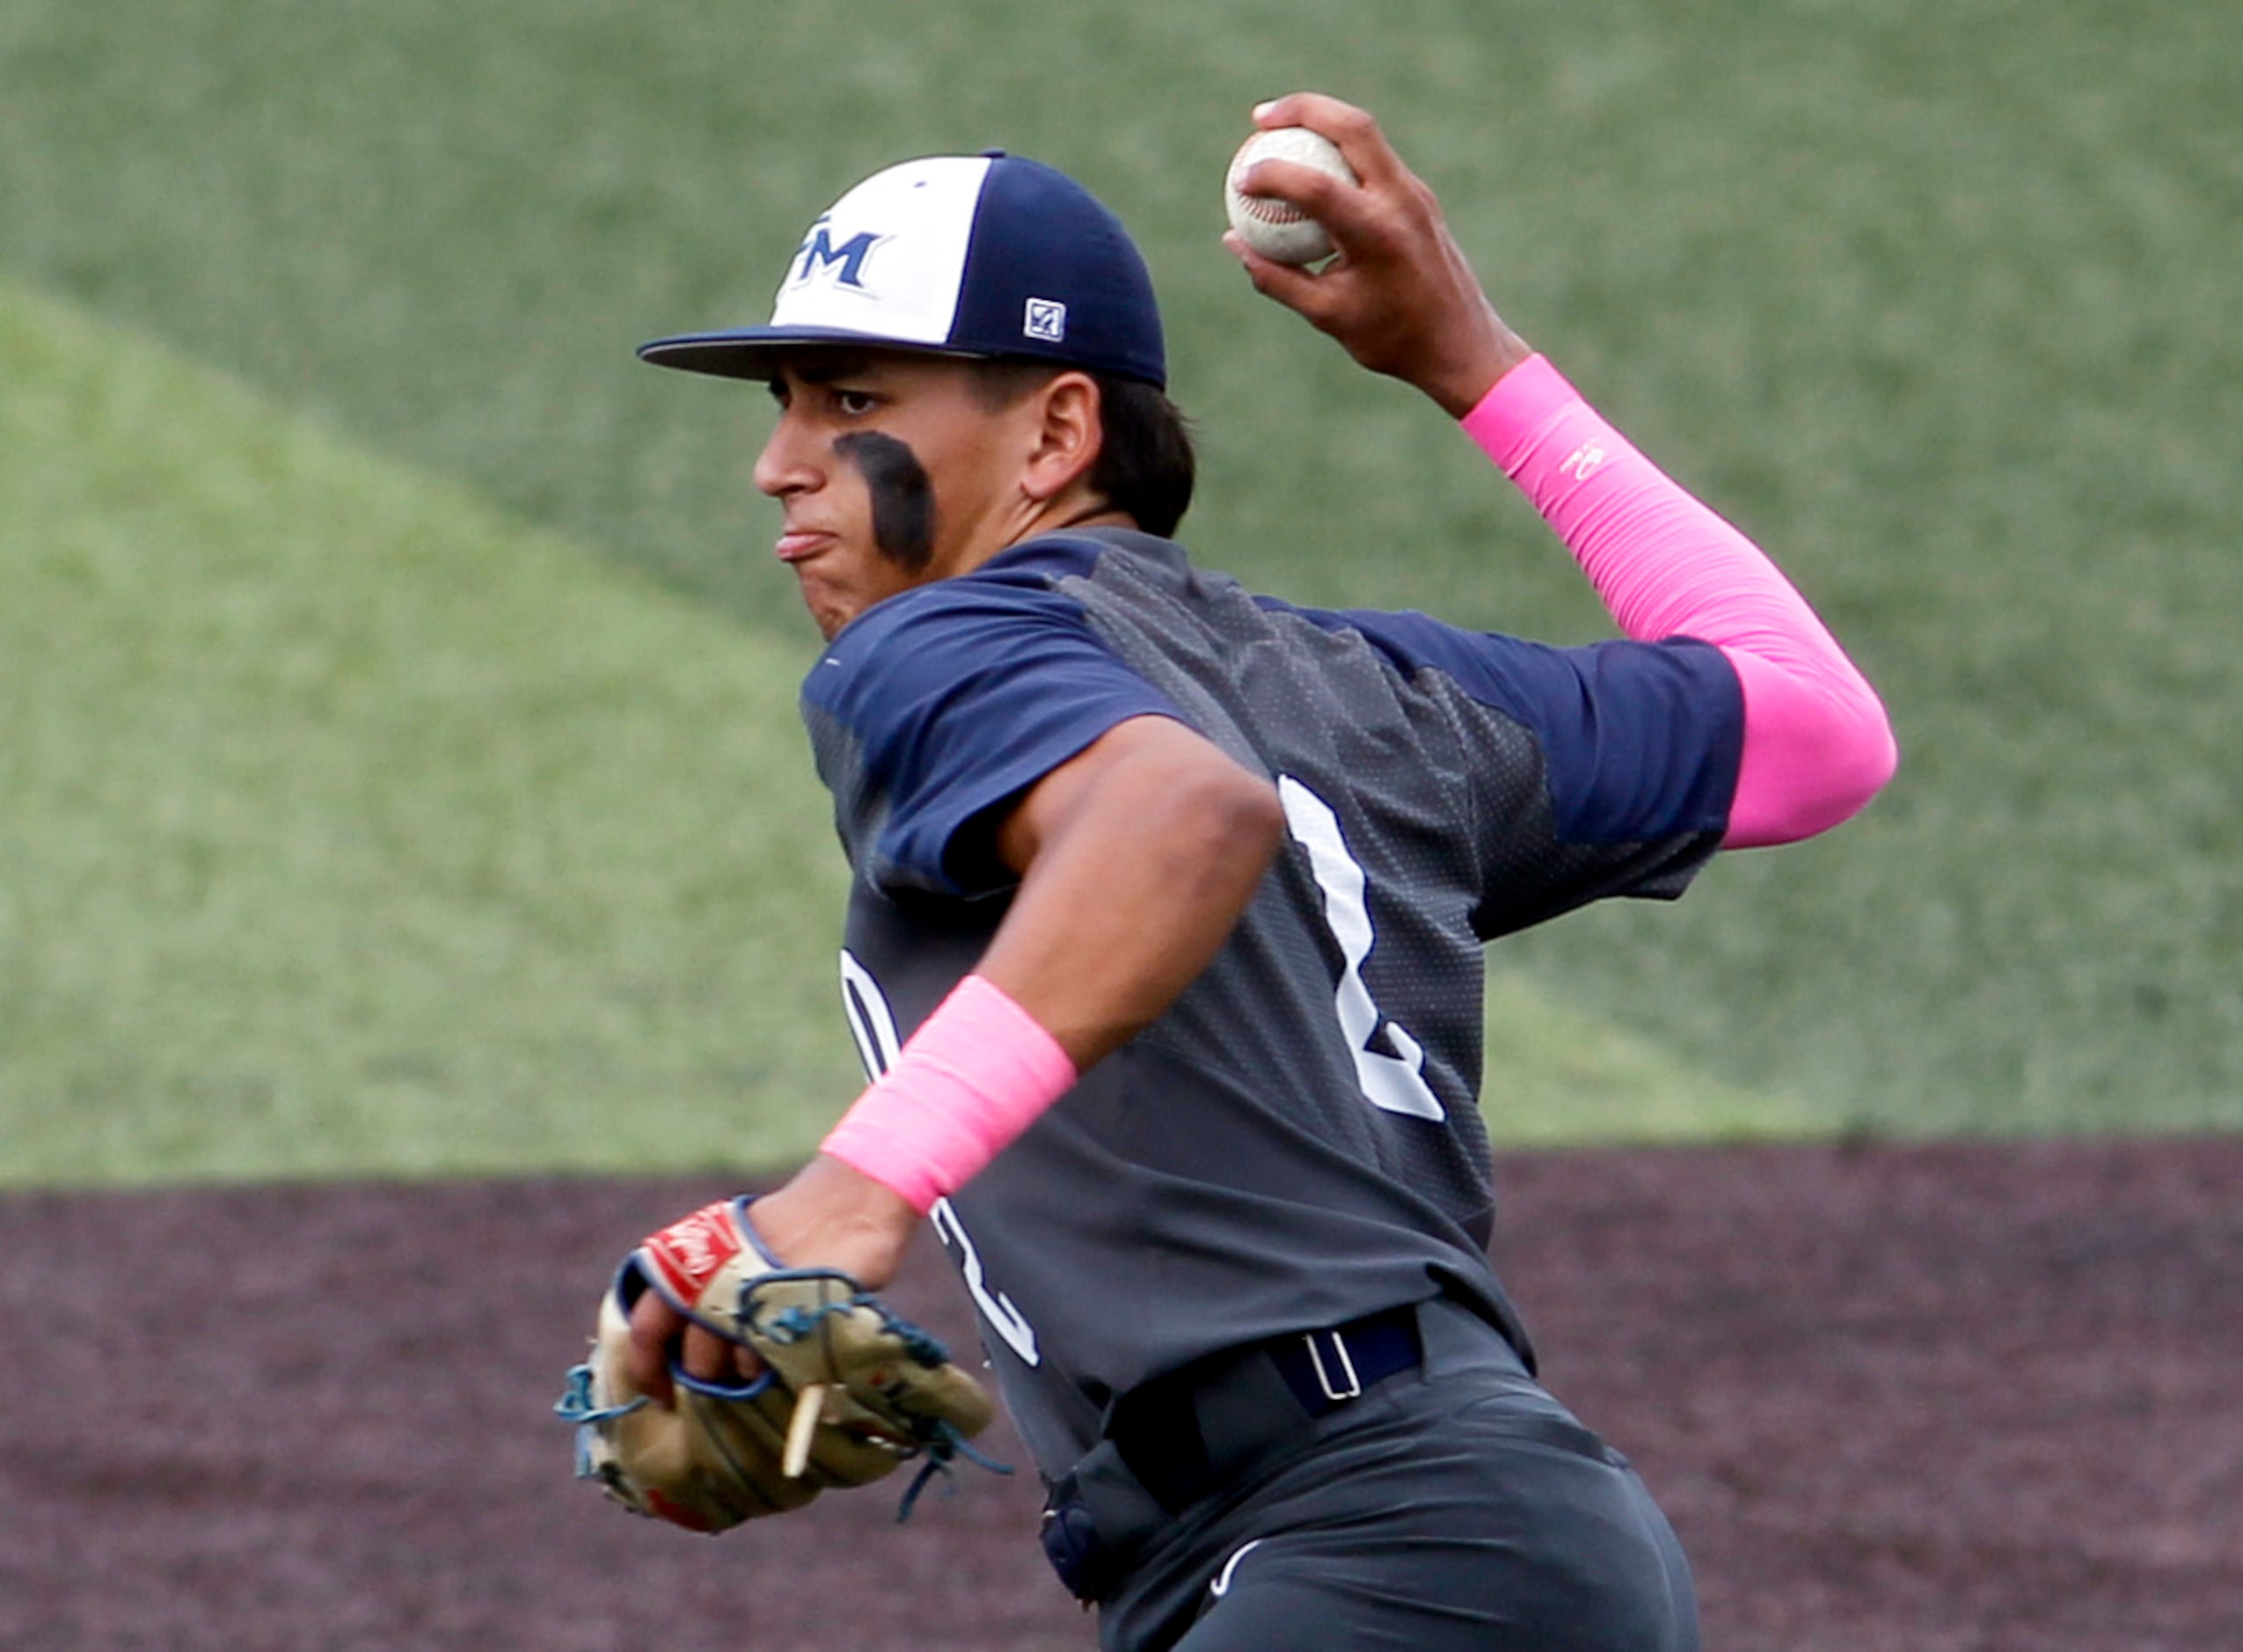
pixel 1182 1434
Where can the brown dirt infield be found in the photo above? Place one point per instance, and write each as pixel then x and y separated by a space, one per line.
pixel 1934 1398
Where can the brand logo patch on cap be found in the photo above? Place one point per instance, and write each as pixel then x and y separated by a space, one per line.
pixel 1047 320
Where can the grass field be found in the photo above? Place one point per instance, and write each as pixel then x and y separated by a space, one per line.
pixel 355 826
pixel 1934 300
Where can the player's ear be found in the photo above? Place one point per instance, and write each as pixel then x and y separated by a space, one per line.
pixel 1069 433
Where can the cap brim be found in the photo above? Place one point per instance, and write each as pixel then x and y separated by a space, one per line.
pixel 755 352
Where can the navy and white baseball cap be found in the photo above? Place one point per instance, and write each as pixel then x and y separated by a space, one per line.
pixel 979 255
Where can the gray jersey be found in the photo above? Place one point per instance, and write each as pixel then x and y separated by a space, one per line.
pixel 1297 1142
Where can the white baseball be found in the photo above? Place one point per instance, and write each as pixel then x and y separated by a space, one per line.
pixel 1278 229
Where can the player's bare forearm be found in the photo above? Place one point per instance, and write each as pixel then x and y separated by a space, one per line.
pixel 1137 860
pixel 1401 297
pixel 841 1216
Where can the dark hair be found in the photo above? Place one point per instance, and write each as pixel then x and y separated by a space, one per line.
pixel 1145 466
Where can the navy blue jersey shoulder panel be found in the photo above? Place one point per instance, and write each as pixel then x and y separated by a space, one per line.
pixel 1642 739
pixel 961 694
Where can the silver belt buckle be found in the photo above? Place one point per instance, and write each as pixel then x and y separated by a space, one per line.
pixel 1346 1367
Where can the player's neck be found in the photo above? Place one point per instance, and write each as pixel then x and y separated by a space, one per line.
pixel 1058 517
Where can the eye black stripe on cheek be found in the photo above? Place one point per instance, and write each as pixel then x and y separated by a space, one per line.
pixel 903 496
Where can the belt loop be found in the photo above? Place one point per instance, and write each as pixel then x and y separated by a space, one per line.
pixel 1347 1366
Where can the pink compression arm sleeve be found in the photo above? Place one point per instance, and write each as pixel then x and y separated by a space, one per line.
pixel 1817 744
pixel 979 1071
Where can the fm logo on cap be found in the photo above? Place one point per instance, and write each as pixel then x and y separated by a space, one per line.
pixel 818 253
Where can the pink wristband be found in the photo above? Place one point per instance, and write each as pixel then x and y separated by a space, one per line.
pixel 977 1073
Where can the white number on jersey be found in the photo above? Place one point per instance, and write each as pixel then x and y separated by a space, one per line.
pixel 1395 1083
pixel 871 1022
pixel 996 1308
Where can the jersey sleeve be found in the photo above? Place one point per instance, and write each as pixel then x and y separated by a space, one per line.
pixel 941 705
pixel 1634 750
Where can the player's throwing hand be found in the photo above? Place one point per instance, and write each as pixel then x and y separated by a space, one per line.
pixel 1400 298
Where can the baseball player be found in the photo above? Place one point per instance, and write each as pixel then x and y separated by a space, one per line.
pixel 1164 947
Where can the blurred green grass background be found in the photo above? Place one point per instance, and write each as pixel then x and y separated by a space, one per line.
pixel 1935 300
pixel 353 824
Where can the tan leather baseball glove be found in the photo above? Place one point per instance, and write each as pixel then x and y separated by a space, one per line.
pixel 850 1391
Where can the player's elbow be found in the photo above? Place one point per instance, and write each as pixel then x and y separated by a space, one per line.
pixel 1260 825
pixel 1237 823
pixel 1859 763
pixel 1820 773
pixel 1198 824
pixel 1877 758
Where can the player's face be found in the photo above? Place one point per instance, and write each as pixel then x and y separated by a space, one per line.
pixel 891 472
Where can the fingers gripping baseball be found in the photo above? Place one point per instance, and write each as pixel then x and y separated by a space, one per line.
pixel 1400 297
